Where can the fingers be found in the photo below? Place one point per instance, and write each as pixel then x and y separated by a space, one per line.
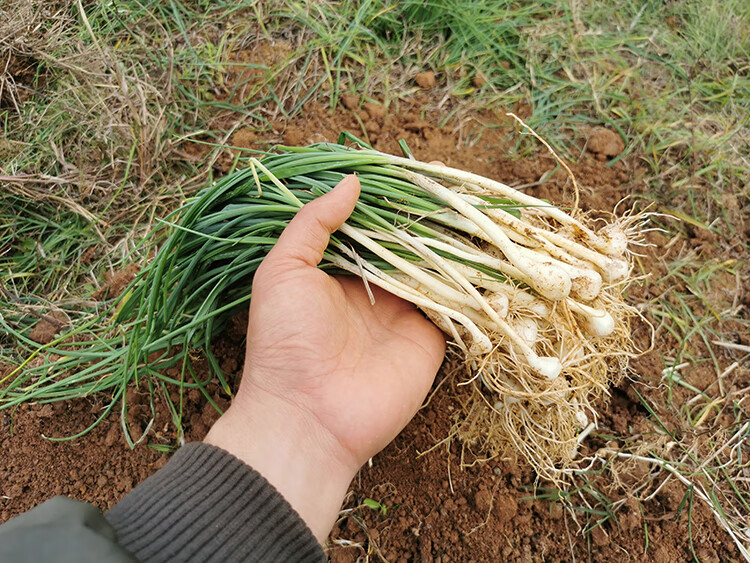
pixel 305 238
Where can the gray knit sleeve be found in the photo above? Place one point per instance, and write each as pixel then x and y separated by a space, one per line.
pixel 207 505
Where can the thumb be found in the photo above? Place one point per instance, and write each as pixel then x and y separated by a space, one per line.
pixel 306 237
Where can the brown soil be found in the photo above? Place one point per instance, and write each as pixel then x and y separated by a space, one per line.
pixel 441 503
pixel 20 81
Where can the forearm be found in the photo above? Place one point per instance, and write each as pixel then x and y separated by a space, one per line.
pixel 301 460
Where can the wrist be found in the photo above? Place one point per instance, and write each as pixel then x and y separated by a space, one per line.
pixel 293 452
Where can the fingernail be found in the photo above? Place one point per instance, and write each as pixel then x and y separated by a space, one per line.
pixel 350 178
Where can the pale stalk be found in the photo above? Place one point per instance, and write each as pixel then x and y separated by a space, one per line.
pixel 463 177
pixel 552 282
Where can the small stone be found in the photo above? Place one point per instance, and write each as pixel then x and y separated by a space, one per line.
pixel 293 137
pixel 416 126
pixel 245 138
pixel 479 80
pixel 425 80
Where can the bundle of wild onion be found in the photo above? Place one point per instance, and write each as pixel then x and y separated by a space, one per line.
pixel 530 295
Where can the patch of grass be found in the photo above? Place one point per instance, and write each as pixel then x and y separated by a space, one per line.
pixel 702 296
pixel 667 78
pixel 584 497
pixel 709 464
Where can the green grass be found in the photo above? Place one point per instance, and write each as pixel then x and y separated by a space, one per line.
pixel 704 457
pixel 646 70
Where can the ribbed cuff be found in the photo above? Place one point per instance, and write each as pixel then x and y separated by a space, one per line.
pixel 207 505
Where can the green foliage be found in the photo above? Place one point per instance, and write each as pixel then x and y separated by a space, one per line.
pixel 202 271
pixel 491 40
pixel 91 155
pixel 372 504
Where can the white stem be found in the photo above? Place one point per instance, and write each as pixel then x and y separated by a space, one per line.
pixel 550 281
pixel 598 322
pixel 465 252
pixel 554 243
pixel 586 283
pixel 472 311
pixel 446 268
pixel 405 266
pixel 549 367
pixel 456 221
pixel 447 325
pixel 517 298
pixel 463 177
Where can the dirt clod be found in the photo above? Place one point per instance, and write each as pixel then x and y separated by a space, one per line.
pixel 478 80
pixel 599 536
pixel 425 80
pixel 244 138
pixel 605 143
pixel 506 509
pixel 350 101
pixel 116 282
pixel 375 111
pixel 372 128
pixel 48 326
pixel 483 500
pixel 293 137
pixel 416 126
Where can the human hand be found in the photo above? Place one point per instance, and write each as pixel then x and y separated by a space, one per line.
pixel 329 378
